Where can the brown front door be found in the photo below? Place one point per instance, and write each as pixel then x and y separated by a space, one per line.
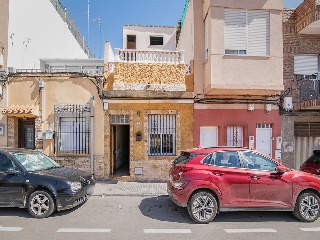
pixel 26 134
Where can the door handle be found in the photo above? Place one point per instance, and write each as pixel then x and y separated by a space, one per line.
pixel 255 178
pixel 218 173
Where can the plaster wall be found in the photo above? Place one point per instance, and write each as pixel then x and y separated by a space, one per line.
pixel 35 34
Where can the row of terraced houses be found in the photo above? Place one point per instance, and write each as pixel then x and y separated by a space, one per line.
pixel 231 73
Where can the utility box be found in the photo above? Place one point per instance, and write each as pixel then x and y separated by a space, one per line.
pixel 278 142
pixel 277 154
pixel 251 142
pixel 49 134
pixel 287 103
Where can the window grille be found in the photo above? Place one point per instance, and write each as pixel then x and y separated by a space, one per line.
pixel 156 40
pixel 264 125
pixel 162 135
pixel 72 128
pixel 235 136
pixel 120 119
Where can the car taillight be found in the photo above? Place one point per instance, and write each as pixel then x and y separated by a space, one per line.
pixel 183 169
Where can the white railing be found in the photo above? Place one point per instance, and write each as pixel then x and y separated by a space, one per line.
pixel 71 70
pixel 149 56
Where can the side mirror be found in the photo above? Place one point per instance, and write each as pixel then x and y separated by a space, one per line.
pixel 11 171
pixel 281 169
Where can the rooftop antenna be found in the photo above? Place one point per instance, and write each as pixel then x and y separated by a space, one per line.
pixel 98 20
pixel 88 22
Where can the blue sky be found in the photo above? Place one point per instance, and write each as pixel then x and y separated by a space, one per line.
pixel 116 13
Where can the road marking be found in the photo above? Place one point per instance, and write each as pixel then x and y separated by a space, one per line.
pixel 83 230
pixel 10 229
pixel 253 230
pixel 167 231
pixel 310 229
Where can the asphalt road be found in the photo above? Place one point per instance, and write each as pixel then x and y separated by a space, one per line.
pixel 130 217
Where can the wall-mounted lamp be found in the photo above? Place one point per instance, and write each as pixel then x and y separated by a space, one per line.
pixel 41 84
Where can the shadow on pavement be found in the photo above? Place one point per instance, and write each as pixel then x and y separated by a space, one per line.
pixel 23 212
pixel 163 209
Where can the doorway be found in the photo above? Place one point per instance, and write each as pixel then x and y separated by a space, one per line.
pixel 26 136
pixel 120 149
pixel 264 136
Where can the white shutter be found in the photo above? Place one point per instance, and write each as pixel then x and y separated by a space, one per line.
pixel 209 136
pixel 235 31
pixel 305 64
pixel 258 33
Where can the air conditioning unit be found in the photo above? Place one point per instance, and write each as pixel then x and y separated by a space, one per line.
pixel 268 107
pixel 287 103
pixel 251 142
pixel 11 70
pixel 250 107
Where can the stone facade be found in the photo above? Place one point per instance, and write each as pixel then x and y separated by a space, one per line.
pixel 142 73
pixel 84 164
pixel 154 167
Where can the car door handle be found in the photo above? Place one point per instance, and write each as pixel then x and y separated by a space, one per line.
pixel 218 173
pixel 255 178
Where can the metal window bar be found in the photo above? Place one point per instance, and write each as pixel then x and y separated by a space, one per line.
pixel 308 86
pixel 72 129
pixel 235 136
pixel 162 132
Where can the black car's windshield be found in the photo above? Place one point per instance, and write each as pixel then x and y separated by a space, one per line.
pixel 35 161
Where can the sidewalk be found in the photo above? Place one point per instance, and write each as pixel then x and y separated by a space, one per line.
pixel 113 188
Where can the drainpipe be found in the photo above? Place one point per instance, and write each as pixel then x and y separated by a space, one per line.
pixel 92 134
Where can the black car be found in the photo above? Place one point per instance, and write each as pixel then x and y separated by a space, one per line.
pixel 312 164
pixel 30 179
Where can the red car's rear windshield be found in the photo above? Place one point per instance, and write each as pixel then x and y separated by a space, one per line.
pixel 184 158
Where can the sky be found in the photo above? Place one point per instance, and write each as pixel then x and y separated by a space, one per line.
pixel 113 14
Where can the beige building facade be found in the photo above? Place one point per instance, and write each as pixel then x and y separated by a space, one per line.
pixel 60 114
pixel 236 49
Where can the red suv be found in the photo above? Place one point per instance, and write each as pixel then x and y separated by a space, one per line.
pixel 312 164
pixel 212 180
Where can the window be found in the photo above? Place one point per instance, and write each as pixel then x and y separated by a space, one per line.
pixel 235 136
pixel 131 41
pixel 5 163
pixel 258 162
pixel 131 38
pixel 72 123
pixel 156 40
pixel 162 132
pixel 223 159
pixel 247 32
pixel 306 64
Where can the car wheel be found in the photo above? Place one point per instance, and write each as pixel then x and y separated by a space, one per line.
pixel 202 207
pixel 41 204
pixel 307 207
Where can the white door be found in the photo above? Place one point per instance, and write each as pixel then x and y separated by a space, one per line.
pixel 209 136
pixel 263 136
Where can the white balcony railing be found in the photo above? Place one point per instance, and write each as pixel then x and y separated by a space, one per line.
pixel 149 56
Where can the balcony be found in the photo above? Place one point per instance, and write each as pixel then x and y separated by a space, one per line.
pixel 146 73
pixel 309 92
pixel 308 17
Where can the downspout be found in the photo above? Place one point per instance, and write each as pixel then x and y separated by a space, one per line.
pixel 92 134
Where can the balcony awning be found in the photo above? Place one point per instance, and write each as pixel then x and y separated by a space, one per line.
pixel 20 111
